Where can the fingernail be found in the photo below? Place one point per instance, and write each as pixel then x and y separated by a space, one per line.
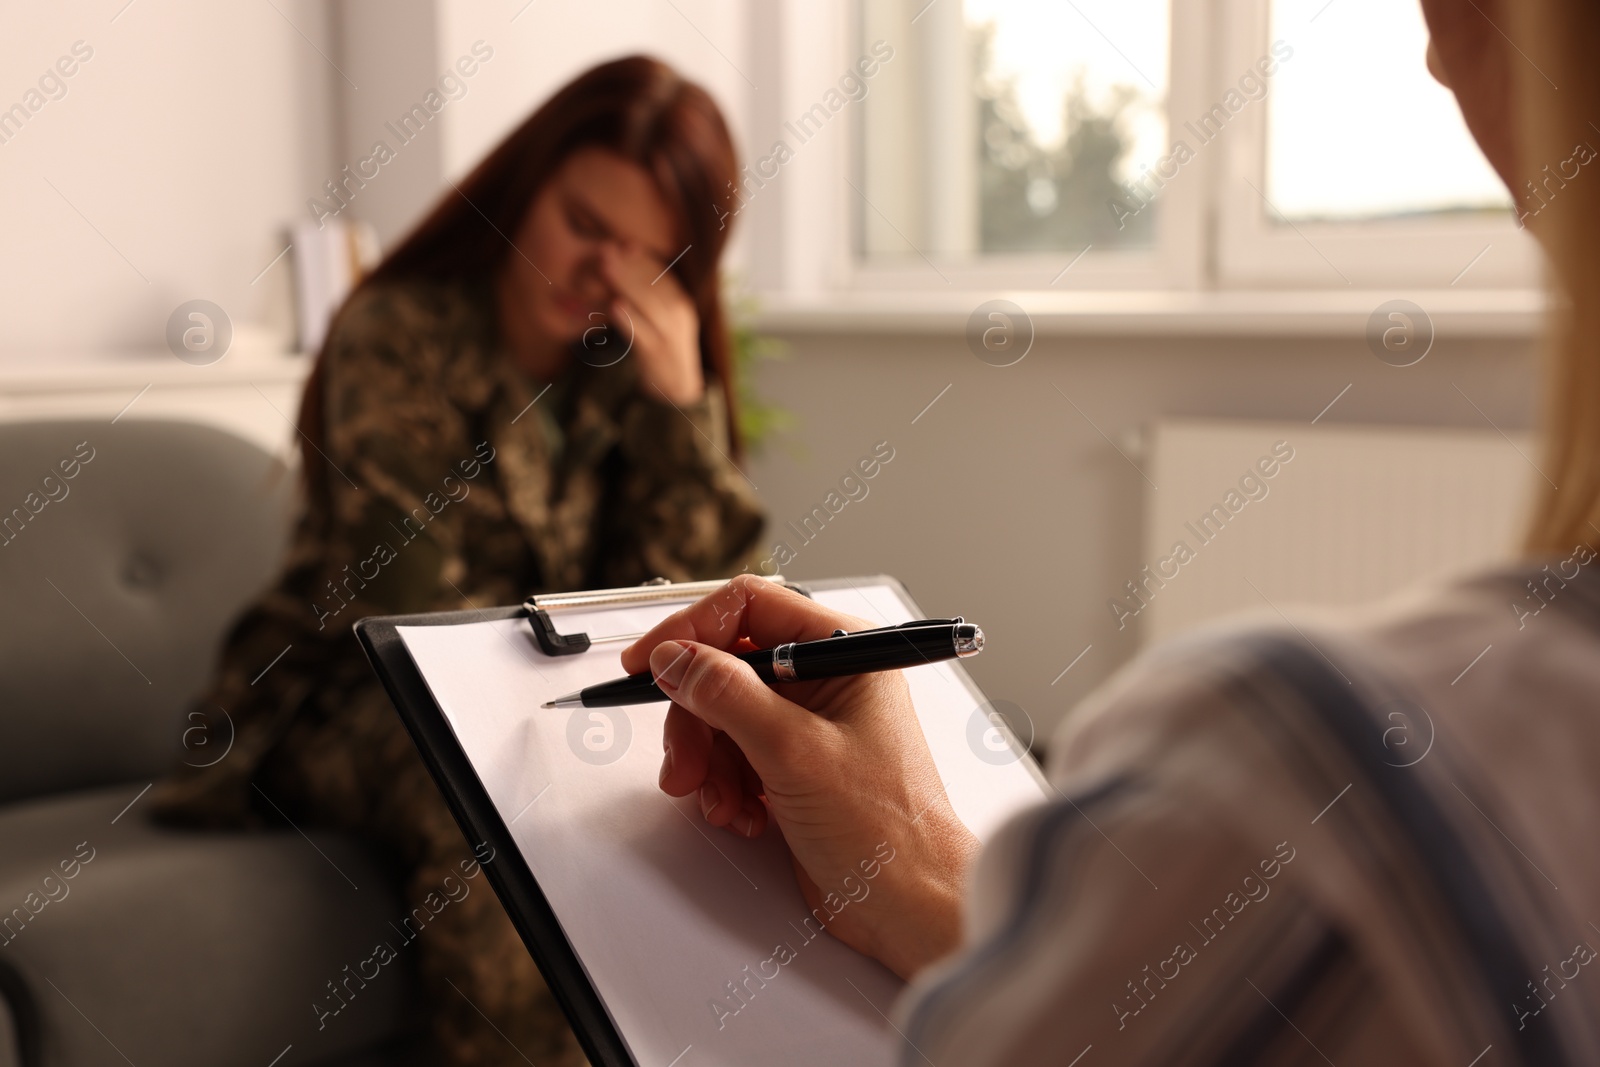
pixel 744 823
pixel 708 799
pixel 666 767
pixel 669 661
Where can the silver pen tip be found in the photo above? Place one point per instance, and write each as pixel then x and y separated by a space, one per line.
pixel 548 704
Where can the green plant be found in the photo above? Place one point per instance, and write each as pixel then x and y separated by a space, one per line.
pixel 759 419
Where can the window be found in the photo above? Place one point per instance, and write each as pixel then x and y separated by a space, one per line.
pixel 1327 159
pixel 1245 144
pixel 1065 119
pixel 1059 120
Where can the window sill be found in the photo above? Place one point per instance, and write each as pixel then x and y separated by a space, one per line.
pixel 1509 313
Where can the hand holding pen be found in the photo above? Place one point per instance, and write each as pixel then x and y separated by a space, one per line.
pixel 840 764
pixel 844 652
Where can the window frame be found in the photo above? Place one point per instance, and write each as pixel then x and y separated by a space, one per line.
pixel 1255 252
pixel 1213 233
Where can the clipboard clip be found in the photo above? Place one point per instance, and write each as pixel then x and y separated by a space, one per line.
pixel 541 606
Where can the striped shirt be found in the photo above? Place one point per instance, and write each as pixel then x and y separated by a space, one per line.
pixel 1361 839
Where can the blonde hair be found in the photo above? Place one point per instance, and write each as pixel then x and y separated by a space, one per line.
pixel 1557 103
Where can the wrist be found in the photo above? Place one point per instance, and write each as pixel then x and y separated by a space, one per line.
pixel 927 922
pixel 658 433
pixel 681 394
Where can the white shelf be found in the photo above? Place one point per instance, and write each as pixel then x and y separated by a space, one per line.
pixel 92 372
pixel 253 394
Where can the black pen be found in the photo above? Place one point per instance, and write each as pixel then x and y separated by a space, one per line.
pixel 888 648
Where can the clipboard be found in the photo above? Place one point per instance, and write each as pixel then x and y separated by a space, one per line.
pixel 384 639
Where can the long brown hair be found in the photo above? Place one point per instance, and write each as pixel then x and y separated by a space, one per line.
pixel 1561 36
pixel 636 107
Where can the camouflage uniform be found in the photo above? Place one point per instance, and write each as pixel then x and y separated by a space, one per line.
pixel 448 487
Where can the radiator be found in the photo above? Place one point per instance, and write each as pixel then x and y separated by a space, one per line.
pixel 1268 515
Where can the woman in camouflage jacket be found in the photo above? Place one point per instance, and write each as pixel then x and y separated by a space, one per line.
pixel 526 395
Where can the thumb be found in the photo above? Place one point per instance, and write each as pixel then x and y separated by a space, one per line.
pixel 725 693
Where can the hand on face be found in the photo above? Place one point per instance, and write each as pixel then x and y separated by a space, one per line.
pixel 650 305
pixel 840 765
pixel 592 252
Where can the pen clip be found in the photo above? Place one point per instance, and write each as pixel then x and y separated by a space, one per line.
pixel 915 624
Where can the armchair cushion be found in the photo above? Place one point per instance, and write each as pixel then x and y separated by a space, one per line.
pixel 126 549
pixel 179 947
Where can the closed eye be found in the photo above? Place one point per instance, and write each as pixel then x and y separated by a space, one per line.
pixel 585 224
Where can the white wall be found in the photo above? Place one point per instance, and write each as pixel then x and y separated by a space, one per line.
pixel 390 49
pixel 178 150
pixel 1004 504
pixel 553 41
pixel 401 49
pixel 196 130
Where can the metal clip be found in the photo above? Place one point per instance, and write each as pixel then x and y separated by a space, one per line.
pixel 915 624
pixel 657 590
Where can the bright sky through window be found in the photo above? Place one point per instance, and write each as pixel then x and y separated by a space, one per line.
pixel 1358 128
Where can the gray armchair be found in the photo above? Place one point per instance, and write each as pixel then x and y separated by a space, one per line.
pixel 122 941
